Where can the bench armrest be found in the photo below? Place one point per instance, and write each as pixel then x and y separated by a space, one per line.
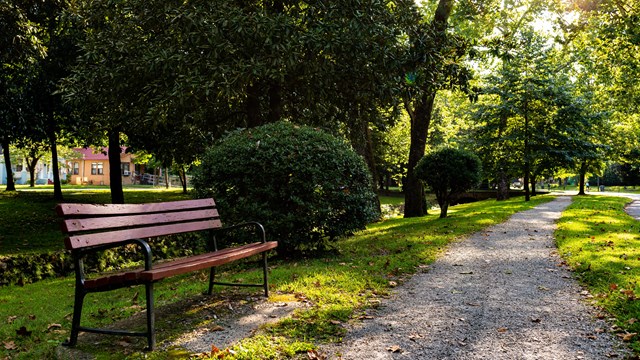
pixel 248 224
pixel 144 246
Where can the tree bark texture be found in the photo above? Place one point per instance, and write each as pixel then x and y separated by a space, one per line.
pixel 117 194
pixel 583 174
pixel 414 204
pixel 11 185
pixel 414 201
pixel 502 191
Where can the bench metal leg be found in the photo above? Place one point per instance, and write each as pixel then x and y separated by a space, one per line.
pixel 212 277
pixel 77 313
pixel 151 334
pixel 265 277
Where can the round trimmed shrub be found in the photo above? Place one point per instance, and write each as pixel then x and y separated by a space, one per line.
pixel 449 172
pixel 305 186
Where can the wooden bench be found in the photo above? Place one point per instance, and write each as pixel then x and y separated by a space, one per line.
pixel 91 228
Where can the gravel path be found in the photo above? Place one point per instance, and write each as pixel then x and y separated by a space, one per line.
pixel 500 294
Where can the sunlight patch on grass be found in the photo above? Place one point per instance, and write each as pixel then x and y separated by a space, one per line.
pixel 602 244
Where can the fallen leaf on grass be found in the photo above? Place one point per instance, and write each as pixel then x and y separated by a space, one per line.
pixel 11 319
pixel 613 286
pixel 314 355
pixel 32 317
pixel 365 317
pixel 9 345
pixel 502 330
pixel 414 337
pixel 632 321
pixel 393 283
pixel 53 327
pixel 394 349
pixel 217 328
pixel 335 322
pixel 627 336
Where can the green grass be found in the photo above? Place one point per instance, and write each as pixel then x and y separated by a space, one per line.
pixel 30 224
pixel 339 286
pixel 602 244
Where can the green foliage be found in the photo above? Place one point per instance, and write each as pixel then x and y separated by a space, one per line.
pixel 600 242
pixel 449 172
pixel 305 186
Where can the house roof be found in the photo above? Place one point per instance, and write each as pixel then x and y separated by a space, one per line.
pixel 90 153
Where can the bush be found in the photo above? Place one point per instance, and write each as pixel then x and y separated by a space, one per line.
pixel 305 186
pixel 449 173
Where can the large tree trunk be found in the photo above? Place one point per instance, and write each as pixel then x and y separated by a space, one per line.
pixel 115 179
pixel 414 203
pixel 502 192
pixel 11 185
pixel 583 174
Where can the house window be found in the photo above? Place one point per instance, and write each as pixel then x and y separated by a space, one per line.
pixel 126 169
pixel 97 169
pixel 76 168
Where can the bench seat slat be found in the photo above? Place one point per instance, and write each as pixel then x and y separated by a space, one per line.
pixel 103 238
pixel 180 266
pixel 99 223
pixel 84 210
pixel 215 259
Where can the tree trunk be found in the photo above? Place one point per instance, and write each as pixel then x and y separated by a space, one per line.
pixel 11 185
pixel 414 201
pixel 583 174
pixel 115 179
pixel 502 192
pixel 31 165
pixel 167 185
pixel 533 185
pixel 53 142
pixel 182 174
pixel 527 195
pixel 360 137
pixel 443 210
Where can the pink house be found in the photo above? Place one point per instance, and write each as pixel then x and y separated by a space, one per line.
pixel 91 167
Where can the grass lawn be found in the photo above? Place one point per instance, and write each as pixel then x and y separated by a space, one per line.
pixel 602 244
pixel 339 286
pixel 29 221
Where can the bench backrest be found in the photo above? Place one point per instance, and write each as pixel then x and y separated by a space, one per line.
pixel 89 225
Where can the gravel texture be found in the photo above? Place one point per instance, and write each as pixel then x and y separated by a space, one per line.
pixel 501 294
pixel 240 323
